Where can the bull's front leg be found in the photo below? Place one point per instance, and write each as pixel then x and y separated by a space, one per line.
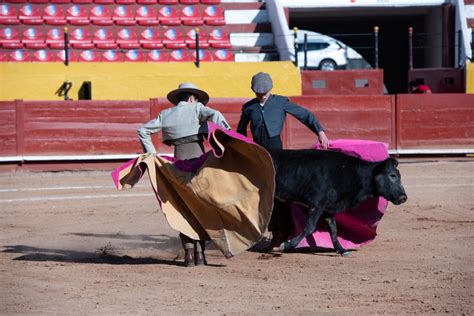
pixel 311 223
pixel 330 220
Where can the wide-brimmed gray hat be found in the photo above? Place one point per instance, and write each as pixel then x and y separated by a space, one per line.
pixel 261 83
pixel 202 96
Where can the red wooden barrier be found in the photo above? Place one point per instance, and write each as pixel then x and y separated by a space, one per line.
pixel 347 82
pixel 355 117
pixel 7 128
pixel 435 121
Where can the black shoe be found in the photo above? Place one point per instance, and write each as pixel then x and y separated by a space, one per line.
pixel 189 257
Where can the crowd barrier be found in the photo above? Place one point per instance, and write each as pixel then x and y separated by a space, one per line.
pixel 106 130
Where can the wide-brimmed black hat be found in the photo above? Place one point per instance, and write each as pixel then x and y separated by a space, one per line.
pixel 202 96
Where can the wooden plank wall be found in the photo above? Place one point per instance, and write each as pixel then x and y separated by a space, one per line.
pixel 44 128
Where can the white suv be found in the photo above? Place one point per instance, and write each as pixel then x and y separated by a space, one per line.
pixel 323 52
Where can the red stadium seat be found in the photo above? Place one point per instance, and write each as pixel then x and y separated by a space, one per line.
pixel 44 55
pixel 101 15
pixel 54 15
pixel 60 1
pixel 179 55
pixel 104 39
pixel 8 15
pixel 219 39
pixel 146 1
pixel 169 16
pixel 104 1
pixel 33 38
pixel 188 2
pixel 124 15
pixel 150 39
pixel 55 38
pixel 82 1
pixel 157 55
pixel 112 55
pixel 146 15
pixel 167 2
pixel 190 39
pixel 213 15
pixel 3 56
pixel 90 56
pixel 134 56
pixel 38 1
pixel 16 1
pixel 125 2
pixel 80 38
pixel 61 56
pixel 127 39
pixel 77 15
pixel 9 38
pixel 190 15
pixel 204 55
pixel 30 14
pixel 210 1
pixel 223 55
pixel 174 39
pixel 19 55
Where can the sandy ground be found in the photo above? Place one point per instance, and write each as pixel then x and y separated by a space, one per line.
pixel 71 244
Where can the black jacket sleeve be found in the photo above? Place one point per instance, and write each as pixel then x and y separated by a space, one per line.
pixel 243 122
pixel 304 116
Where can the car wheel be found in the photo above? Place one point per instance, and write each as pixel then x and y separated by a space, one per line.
pixel 327 65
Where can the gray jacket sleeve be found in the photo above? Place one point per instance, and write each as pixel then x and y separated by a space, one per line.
pixel 144 133
pixel 208 114
pixel 304 116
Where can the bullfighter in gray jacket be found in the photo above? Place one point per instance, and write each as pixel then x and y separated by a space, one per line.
pixel 266 114
pixel 184 126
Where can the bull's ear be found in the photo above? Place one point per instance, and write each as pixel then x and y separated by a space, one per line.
pixel 394 161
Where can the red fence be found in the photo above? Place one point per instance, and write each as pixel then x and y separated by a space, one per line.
pixel 437 123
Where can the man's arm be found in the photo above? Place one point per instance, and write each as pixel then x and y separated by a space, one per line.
pixel 308 119
pixel 208 114
pixel 144 134
pixel 243 122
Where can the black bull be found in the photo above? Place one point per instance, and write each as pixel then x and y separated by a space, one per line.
pixel 328 182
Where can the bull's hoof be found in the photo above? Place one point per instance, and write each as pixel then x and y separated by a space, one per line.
pixel 283 246
pixel 345 253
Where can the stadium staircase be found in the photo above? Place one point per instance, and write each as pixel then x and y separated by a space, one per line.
pixel 134 30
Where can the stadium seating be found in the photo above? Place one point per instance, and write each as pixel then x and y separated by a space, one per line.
pixel 157 55
pixel 173 39
pixel 146 1
pixel 38 1
pixel 33 38
pixel 3 56
pixel 77 15
pixel 9 38
pixel 127 39
pixel 43 55
pixel 104 39
pixel 125 2
pixel 169 16
pixel 54 15
pixel 82 1
pixel 210 1
pixel 124 15
pixel 61 56
pixel 187 2
pixel 190 15
pixel 223 55
pixel 55 38
pixel 8 15
pixel 190 39
pixel 134 56
pixel 19 55
pixel 150 39
pixel 112 55
pixel 146 15
pixel 219 39
pixel 179 55
pixel 104 1
pixel 81 39
pixel 168 2
pixel 101 15
pixel 30 14
pixel 204 55
pixel 90 56
pixel 60 1
pixel 213 15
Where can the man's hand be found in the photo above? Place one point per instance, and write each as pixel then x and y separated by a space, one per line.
pixel 323 140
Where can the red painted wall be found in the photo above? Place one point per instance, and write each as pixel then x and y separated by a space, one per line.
pixel 432 121
pixel 342 82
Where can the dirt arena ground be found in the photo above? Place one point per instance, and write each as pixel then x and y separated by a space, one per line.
pixel 71 244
